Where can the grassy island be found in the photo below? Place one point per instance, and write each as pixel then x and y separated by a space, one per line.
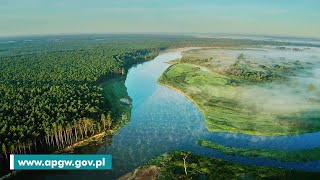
pixel 302 155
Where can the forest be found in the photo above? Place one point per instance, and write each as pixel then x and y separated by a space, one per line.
pixel 50 87
pixel 51 97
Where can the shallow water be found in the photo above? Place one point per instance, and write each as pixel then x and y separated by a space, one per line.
pixel 163 120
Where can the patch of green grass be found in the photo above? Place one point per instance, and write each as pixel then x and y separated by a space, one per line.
pixel 216 97
pixel 280 155
pixel 201 167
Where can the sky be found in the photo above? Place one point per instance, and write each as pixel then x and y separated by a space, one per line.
pixel 300 18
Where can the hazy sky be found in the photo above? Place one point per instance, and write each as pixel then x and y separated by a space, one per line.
pixel 270 17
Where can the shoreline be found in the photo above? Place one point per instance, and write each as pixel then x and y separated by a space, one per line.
pixel 244 133
pixel 81 142
pixel 184 94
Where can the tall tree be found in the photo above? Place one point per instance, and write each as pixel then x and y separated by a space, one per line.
pixel 103 121
pixel 109 120
pixel 4 150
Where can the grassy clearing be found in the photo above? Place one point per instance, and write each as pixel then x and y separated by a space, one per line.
pixel 200 167
pixel 280 155
pixel 216 95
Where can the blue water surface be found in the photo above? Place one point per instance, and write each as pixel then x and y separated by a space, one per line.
pixel 164 120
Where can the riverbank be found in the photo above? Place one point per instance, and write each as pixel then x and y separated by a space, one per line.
pixel 181 92
pixel 184 165
pixel 80 143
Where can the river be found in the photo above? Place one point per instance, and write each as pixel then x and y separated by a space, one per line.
pixel 164 120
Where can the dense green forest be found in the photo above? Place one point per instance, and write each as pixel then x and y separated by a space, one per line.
pixel 51 98
pixel 49 87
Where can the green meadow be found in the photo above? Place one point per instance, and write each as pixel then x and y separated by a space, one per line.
pixel 240 103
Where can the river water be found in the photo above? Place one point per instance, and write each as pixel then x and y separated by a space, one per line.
pixel 164 120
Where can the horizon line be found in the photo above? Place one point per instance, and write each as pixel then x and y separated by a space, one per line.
pixel 162 33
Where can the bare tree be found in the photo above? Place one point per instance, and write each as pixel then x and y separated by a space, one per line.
pixel 185 155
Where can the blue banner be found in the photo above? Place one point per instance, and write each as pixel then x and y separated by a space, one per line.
pixel 60 162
